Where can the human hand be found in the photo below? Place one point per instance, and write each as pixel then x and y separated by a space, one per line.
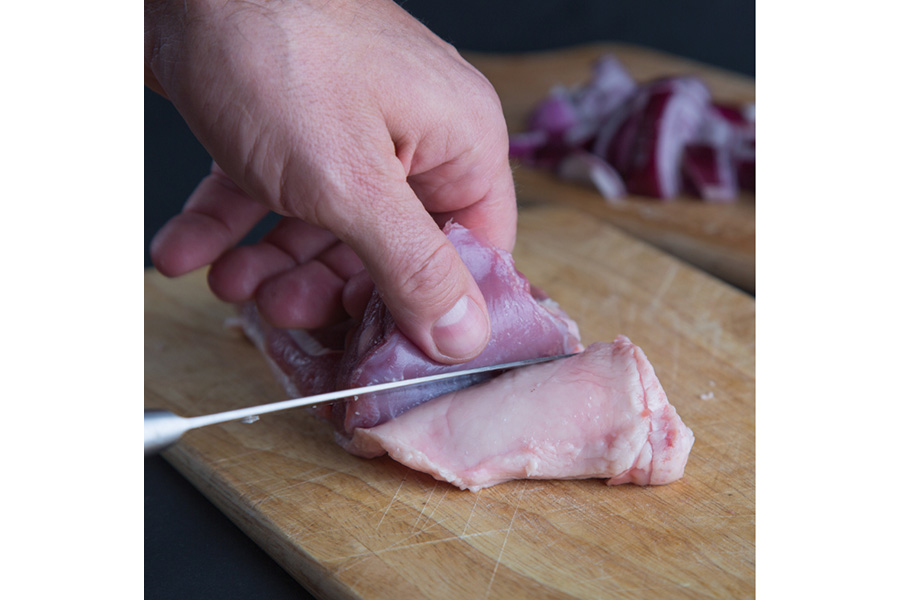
pixel 361 126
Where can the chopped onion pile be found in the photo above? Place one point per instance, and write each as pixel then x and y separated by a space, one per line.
pixel 659 138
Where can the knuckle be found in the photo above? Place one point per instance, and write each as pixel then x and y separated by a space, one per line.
pixel 431 275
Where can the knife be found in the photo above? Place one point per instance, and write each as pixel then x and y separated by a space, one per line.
pixel 162 428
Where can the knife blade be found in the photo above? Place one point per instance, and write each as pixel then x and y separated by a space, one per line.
pixel 162 428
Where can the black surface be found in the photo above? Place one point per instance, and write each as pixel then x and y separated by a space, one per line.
pixel 720 33
pixel 191 549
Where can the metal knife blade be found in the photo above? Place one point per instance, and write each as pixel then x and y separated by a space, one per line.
pixel 163 428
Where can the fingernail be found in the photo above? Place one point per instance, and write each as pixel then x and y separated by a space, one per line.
pixel 462 332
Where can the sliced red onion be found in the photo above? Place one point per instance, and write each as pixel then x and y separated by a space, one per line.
pixel 746 175
pixel 571 119
pixel 611 130
pixel 609 86
pixel 716 130
pixel 557 121
pixel 743 147
pixel 580 135
pixel 733 128
pixel 749 112
pixel 616 135
pixel 744 157
pixel 730 113
pixel 685 84
pixel 556 114
pixel 589 169
pixel 709 171
pixel 739 116
pixel 671 118
pixel 524 146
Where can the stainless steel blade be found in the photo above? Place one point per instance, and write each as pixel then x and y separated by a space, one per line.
pixel 163 428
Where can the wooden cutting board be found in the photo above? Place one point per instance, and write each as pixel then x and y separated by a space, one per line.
pixel 720 239
pixel 347 527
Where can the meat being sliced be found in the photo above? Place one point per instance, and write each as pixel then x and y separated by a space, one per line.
pixel 525 323
pixel 305 362
pixel 599 414
pixel 602 413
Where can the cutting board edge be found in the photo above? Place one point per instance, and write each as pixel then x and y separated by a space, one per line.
pixel 612 47
pixel 261 530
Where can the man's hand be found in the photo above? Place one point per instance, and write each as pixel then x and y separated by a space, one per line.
pixel 364 128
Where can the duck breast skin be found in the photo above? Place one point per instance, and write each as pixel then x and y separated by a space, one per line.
pixel 599 414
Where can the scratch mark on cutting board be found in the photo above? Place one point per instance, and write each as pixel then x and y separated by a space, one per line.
pixel 471 512
pixel 391 503
pixel 400 545
pixel 424 506
pixel 487 592
pixel 235 458
pixel 452 538
pixel 280 491
pixel 323 476
pixel 603 577
pixel 441 499
pixel 676 352
pixel 664 286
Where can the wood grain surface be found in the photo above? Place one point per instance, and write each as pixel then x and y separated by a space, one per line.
pixel 720 239
pixel 347 527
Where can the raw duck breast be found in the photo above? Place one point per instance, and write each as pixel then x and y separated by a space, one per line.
pixel 602 413
pixel 525 324
pixel 599 414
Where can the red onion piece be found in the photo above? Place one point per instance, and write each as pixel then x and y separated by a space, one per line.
pixel 744 156
pixel 748 111
pixel 525 145
pixel 555 115
pixel 716 130
pixel 670 119
pixel 610 129
pixel 739 116
pixel 709 171
pixel 746 174
pixel 586 168
pixel 609 86
pixel 743 144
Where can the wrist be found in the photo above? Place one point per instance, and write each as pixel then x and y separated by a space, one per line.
pixel 163 22
pixel 165 28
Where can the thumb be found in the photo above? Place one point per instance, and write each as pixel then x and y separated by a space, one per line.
pixel 427 288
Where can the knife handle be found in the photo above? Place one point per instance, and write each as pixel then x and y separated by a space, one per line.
pixel 162 428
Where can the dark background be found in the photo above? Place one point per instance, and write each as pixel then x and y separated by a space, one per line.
pixel 191 549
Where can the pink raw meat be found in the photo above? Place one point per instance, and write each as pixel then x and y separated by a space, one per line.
pixel 304 362
pixel 525 324
pixel 602 413
pixel 522 327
